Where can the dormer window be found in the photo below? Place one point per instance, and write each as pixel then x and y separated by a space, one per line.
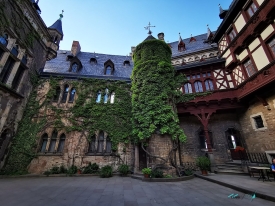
pixel 109 68
pixel 93 61
pixel 4 39
pixel 74 67
pixel 126 63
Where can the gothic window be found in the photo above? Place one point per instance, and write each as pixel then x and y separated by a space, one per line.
pixel 98 97
pixel 17 78
pixel 271 45
pixel 61 143
pixel 108 70
pixel 108 145
pixel 57 94
pixel 232 34
pixel 188 88
pixel 4 39
pixel 112 99
pixel 203 140
pixel 6 70
pixel 14 50
pixel 249 68
pixel 92 145
pixel 72 94
pixel 53 141
pixel 44 143
pixel 74 67
pixel 106 96
pixel 252 8
pixel 258 122
pixel 100 142
pixel 96 146
pixel 198 86
pixel 65 93
pixel 209 85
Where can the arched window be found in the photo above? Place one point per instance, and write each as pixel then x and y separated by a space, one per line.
pixel 72 94
pixel 106 96
pixel 98 97
pixel 203 140
pixel 100 142
pixel 53 141
pixel 108 145
pixel 57 94
pixel 4 39
pixel 61 143
pixel 65 93
pixel 209 85
pixel 188 88
pixel 112 101
pixel 44 143
pixel 198 86
pixel 74 67
pixel 108 70
pixel 92 148
pixel 14 50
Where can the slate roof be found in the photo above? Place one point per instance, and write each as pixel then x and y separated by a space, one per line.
pixel 191 47
pixel 57 26
pixel 60 65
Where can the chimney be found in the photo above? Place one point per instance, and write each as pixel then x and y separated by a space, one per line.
pixel 161 36
pixel 75 48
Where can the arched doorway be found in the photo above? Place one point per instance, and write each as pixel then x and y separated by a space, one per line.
pixel 203 141
pixel 235 145
pixel 4 141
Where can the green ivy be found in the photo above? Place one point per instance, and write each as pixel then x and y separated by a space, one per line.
pixel 155 92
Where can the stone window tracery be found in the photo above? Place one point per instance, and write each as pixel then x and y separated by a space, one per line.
pixel 61 143
pixel 44 142
pixel 53 142
pixel 100 144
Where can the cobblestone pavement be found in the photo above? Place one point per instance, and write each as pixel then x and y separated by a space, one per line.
pixel 115 191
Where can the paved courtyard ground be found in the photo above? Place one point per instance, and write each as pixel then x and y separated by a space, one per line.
pixel 115 191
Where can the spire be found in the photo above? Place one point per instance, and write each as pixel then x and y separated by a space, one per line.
pixel 58 24
pixel 222 12
pixel 209 33
pixel 180 40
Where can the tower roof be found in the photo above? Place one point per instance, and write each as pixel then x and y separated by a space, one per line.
pixel 58 24
pixel 150 37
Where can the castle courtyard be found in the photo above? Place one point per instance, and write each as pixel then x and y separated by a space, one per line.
pixel 116 191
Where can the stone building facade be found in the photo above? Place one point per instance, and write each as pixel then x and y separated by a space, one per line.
pixel 25 46
pixel 234 64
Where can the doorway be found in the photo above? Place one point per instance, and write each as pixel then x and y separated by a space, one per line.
pixel 235 145
pixel 142 158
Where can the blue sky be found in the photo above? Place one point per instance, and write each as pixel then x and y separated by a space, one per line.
pixel 113 26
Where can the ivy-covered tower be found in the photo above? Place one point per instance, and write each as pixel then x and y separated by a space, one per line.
pixel 154 91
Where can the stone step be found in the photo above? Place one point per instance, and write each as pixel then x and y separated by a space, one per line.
pixel 227 168
pixel 232 172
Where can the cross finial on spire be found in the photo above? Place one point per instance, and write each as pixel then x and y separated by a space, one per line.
pixel 61 15
pixel 148 28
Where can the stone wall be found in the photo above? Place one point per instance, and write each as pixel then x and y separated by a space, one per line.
pixel 262 139
pixel 218 124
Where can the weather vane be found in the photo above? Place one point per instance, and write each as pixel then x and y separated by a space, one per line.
pixel 148 28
